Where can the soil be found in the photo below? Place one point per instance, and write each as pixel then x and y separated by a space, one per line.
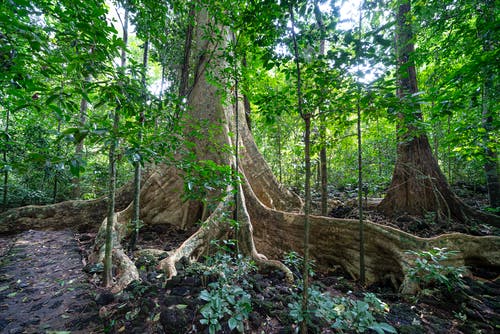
pixel 42 285
pixel 424 227
pixel 46 286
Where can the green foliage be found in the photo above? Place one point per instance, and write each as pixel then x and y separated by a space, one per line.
pixel 206 177
pixel 430 271
pixel 227 299
pixel 295 263
pixel 342 313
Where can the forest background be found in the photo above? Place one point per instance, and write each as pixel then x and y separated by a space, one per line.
pixel 60 68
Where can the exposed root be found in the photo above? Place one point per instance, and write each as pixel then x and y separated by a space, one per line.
pixel 78 215
pixel 336 242
pixel 126 271
pixel 194 244
pixel 215 228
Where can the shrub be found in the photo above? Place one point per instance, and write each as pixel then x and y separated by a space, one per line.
pixel 342 313
pixel 431 273
pixel 227 298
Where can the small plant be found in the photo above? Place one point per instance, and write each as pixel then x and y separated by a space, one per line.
pixel 295 263
pixel 430 217
pixel 430 272
pixel 343 313
pixel 226 299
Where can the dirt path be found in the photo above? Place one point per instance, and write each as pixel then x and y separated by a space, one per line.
pixel 42 285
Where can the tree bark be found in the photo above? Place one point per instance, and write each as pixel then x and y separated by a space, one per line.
pixel 5 159
pixel 79 146
pixel 136 219
pixel 110 221
pixel 323 163
pixel 418 186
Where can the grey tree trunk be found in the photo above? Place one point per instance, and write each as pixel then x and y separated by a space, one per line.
pixel 5 159
pixel 136 218
pixel 80 145
pixel 307 186
pixel 323 162
pixel 108 252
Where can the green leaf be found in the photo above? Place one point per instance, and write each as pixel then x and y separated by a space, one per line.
pixel 232 323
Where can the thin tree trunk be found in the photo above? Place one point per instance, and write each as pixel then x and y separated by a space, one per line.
pixel 56 172
pixel 307 186
pixel 108 263
pixel 79 146
pixel 246 101
pixel 360 167
pixel 237 194
pixel 360 199
pixel 5 159
pixel 108 259
pixel 136 219
pixel 323 163
pixel 280 163
pixel 448 149
pixel 379 148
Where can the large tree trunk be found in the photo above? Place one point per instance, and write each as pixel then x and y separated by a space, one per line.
pixel 270 218
pixel 418 186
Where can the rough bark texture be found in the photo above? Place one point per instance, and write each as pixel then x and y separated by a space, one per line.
pixel 418 186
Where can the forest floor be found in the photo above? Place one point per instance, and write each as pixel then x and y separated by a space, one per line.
pixel 42 286
pixel 46 286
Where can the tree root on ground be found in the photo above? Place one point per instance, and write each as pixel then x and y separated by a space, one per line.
pixel 336 242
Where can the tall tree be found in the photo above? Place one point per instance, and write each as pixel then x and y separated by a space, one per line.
pixel 306 116
pixel 418 186
pixel 323 166
pixel 6 167
pixel 138 160
pixel 112 157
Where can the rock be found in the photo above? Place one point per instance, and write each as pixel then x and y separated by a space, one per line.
pixel 180 291
pixel 174 281
pixel 191 281
pixel 340 212
pixel 84 237
pixel 175 320
pixel 16 330
pixel 170 300
pixel 255 319
pixel 104 298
